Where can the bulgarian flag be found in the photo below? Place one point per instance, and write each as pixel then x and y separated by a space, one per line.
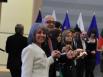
pixel 100 40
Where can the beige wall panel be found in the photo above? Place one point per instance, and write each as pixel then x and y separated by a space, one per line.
pixel 12 13
pixel 0 12
pixel 36 5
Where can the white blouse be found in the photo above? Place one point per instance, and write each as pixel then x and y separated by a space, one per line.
pixel 35 62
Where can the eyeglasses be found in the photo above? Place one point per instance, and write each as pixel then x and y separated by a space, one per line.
pixel 49 21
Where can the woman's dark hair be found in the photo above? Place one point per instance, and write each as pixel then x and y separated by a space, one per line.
pixel 93 31
pixel 77 29
pixel 57 24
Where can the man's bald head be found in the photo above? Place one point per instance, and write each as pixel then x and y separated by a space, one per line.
pixel 49 22
pixel 48 18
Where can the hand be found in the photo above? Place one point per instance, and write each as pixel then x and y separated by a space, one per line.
pixel 82 54
pixel 55 54
pixel 85 53
pixel 79 50
pixel 93 52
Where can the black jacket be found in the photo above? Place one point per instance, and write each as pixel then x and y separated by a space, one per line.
pixel 14 46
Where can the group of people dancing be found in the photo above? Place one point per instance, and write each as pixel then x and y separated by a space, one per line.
pixel 49 49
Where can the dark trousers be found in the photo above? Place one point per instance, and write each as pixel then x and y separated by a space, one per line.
pixel 68 71
pixel 101 63
pixel 89 67
pixel 15 72
pixel 52 70
pixel 80 67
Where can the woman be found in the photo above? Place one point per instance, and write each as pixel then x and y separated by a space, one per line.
pixel 90 59
pixel 34 60
pixel 67 66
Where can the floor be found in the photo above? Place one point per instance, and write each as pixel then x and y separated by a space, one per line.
pixel 5 72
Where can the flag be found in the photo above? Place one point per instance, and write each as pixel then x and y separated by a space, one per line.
pixel 54 15
pixel 80 23
pixel 39 17
pixel 66 23
pixel 100 40
pixel 93 26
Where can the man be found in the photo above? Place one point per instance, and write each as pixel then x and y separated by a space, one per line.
pixel 78 44
pixel 52 30
pixel 14 46
pixel 49 23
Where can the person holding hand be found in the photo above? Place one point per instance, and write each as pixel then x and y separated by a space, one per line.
pixel 35 63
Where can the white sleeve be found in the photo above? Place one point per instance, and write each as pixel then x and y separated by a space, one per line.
pixel 27 62
pixel 50 60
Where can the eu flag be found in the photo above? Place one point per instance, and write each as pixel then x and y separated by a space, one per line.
pixel 39 17
pixel 93 26
pixel 66 23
